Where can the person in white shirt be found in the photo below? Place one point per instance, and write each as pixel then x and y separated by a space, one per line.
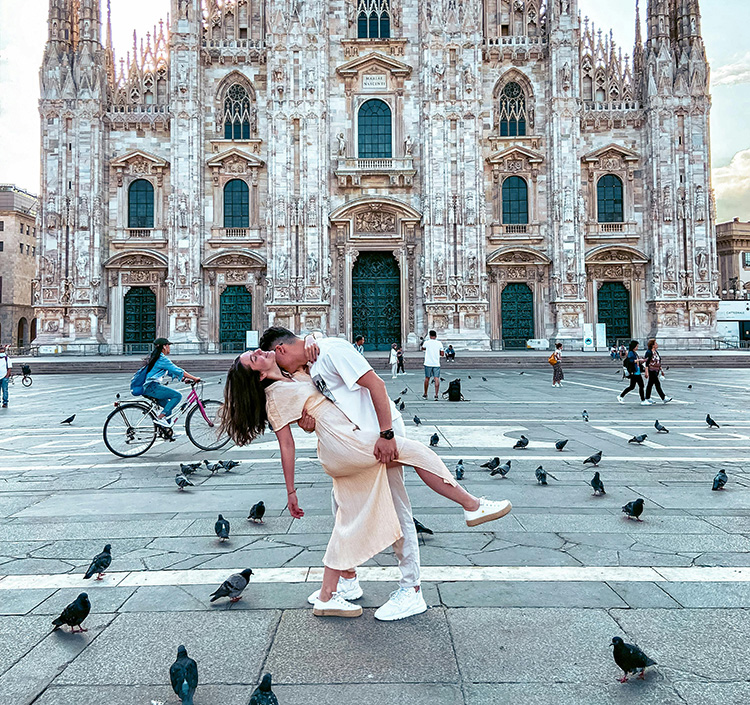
pixel 393 360
pixel 359 344
pixel 433 351
pixel 5 368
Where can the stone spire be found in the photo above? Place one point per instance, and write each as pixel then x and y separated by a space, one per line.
pixel 59 22
pixel 638 66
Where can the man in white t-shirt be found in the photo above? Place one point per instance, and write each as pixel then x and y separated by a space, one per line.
pixel 5 368
pixel 433 351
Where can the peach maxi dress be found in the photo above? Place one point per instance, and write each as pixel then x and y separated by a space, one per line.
pixel 366 521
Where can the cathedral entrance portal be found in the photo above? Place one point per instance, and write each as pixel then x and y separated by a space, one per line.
pixel 517 311
pixel 139 330
pixel 236 317
pixel 613 305
pixel 376 300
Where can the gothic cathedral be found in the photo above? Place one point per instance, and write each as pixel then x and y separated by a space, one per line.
pixel 495 170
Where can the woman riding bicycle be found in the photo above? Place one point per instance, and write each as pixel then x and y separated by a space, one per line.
pixel 159 368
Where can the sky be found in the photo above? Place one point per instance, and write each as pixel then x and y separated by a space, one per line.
pixel 23 33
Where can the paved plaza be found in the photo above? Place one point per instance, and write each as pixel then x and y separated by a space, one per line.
pixel 521 610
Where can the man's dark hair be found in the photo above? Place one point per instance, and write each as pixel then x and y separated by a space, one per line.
pixel 433 334
pixel 358 338
pixel 274 336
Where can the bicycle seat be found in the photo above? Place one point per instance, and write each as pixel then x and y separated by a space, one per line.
pixel 152 399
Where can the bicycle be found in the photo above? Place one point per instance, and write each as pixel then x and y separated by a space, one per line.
pixel 26 380
pixel 131 429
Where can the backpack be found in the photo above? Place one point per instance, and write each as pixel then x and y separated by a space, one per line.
pixel 454 390
pixel 552 359
pixel 137 381
pixel 26 369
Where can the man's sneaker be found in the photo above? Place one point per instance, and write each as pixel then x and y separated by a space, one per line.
pixel 348 588
pixel 489 510
pixel 5 405
pixel 404 602
pixel 337 606
pixel 646 402
pixel 666 400
pixel 620 399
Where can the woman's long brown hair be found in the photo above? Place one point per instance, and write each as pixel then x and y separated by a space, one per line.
pixel 243 414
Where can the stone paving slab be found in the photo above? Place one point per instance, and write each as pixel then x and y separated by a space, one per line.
pixel 606 692
pixel 641 594
pixel 529 594
pixel 709 594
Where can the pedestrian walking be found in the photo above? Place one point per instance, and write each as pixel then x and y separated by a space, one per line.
pixel 450 354
pixel 633 365
pixel 557 371
pixel 393 360
pixel 400 360
pixel 433 351
pixel 5 368
pixel 653 371
pixel 359 344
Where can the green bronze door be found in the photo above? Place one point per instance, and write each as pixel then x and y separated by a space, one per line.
pixel 517 313
pixel 613 306
pixel 139 329
pixel 236 317
pixel 376 300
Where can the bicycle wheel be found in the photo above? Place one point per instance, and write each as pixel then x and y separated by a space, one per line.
pixel 129 430
pixel 26 381
pixel 204 433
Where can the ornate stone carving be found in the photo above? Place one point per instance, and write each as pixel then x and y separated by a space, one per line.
pixel 375 221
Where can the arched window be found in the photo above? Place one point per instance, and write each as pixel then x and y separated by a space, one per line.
pixel 236 204
pixel 141 204
pixel 373 19
pixel 512 111
pixel 237 114
pixel 375 130
pixel 609 199
pixel 515 201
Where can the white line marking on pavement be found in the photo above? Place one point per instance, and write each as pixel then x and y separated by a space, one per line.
pixel 627 436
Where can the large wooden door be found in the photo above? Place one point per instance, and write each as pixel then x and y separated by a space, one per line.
pixel 236 317
pixel 376 300
pixel 613 308
pixel 517 315
pixel 140 320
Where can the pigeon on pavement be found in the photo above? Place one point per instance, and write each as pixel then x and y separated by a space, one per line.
pixel 585 415
pixel 594 459
pixel 638 439
pixel 263 695
pixel 189 468
pixel 417 420
pixel 183 674
pixel 690 386
pixel 221 527
pixel 182 482
pixel 233 586
pixel 541 475
pixel 720 480
pixel 421 528
pixel 491 464
pixel 521 443
pixel 100 563
pixel 256 513
pixel 460 470
pixel 630 658
pixel 74 614
pixel 69 420
pixel 397 401
pixel 659 428
pixel 401 406
pixel 484 379
pixel 711 423
pixel 212 467
pixel 404 390
pixel 434 440
pixel 502 469
pixel 634 509
pixel 597 484
pixel 561 443
pixel 229 464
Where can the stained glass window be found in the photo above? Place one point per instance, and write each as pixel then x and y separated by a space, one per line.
pixel 373 19
pixel 236 114
pixel 512 111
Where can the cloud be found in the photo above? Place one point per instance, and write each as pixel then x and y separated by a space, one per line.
pixel 732 74
pixel 732 186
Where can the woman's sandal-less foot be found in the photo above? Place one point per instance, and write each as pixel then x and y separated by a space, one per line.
pixel 489 510
pixel 337 606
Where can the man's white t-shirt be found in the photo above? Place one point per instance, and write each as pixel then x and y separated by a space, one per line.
pixel 5 365
pixel 336 372
pixel 432 349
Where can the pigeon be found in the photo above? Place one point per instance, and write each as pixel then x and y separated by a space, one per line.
pixel 690 386
pixel 491 464
pixel 521 373
pixel 74 614
pixel 256 513
pixel 521 443
pixel 401 406
pixel 69 420
pixel 397 401
pixel 638 439
pixel 659 428
pixel 597 484
pixel 484 379
pixel 221 527
pixel 100 563
pixel 182 482
pixel 442 379
pixel 460 470
pixel 501 470
pixel 233 586
pixel 434 440
pixel 561 443
pixel 541 475
pixel 263 695
pixel 634 509
pixel 189 468
pixel 720 480
pixel 585 415
pixel 212 467
pixel 630 658
pixel 229 464
pixel 404 390
pixel 417 420
pixel 469 376
pixel 594 459
pixel 711 423
pixel 183 674
pixel 421 528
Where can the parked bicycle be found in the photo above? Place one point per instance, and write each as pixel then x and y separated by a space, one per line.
pixel 131 429
pixel 25 375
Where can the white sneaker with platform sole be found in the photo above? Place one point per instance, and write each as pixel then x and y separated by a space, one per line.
pixel 337 606
pixel 348 588
pixel 403 603
pixel 489 510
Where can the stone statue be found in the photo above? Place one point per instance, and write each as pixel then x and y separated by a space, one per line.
pixel 182 210
pixel 701 260
pixel 668 204
pixel 83 212
pixel 565 76
pixel 669 268
pixel 408 146
pixel 700 205
pixel 342 144
pixel 312 267
pixel 472 268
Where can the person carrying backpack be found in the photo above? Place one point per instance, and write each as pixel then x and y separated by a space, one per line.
pixel 633 366
pixel 653 370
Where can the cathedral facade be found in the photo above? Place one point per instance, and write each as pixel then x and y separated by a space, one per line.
pixel 494 170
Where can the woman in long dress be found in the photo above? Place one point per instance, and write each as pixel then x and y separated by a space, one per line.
pixel 258 393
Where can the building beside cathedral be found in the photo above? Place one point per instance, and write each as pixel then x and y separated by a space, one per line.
pixel 495 170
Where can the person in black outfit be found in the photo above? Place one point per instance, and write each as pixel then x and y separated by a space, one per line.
pixel 633 366
pixel 653 370
pixel 400 360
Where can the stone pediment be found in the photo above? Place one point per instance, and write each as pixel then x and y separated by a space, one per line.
pixel 619 254
pixel 515 154
pixel 143 160
pixel 235 161
pixel 611 151
pixel 517 255
pixel 139 259
pixel 373 60
pixel 234 258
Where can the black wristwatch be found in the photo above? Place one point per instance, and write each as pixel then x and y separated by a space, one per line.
pixel 388 435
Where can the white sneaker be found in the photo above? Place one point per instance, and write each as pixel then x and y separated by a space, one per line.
pixel 348 588
pixel 666 400
pixel 164 422
pixel 337 606
pixel 646 402
pixel 404 602
pixel 620 399
pixel 489 510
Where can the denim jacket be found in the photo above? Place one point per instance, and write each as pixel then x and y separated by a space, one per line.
pixel 162 369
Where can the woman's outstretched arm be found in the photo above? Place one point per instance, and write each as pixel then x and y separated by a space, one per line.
pixel 286 445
